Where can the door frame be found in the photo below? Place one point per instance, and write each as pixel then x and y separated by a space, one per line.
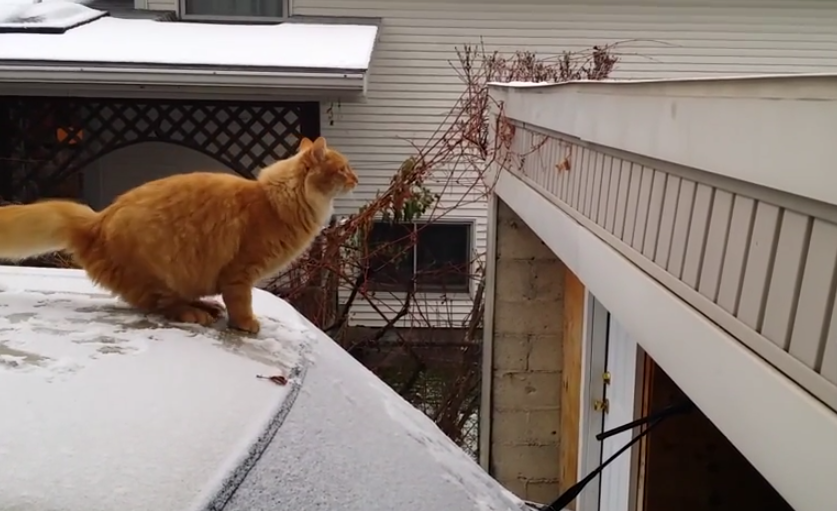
pixel 633 363
pixel 593 365
pixel 593 361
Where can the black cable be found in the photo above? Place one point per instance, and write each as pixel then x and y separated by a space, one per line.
pixel 675 409
pixel 652 420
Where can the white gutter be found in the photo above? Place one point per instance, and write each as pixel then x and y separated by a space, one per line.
pixel 325 81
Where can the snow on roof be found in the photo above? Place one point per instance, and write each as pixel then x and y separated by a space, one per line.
pixel 789 77
pixel 114 410
pixel 371 451
pixel 111 410
pixel 146 42
pixel 55 15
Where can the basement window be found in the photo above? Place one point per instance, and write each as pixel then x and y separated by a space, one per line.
pixel 437 256
pixel 234 10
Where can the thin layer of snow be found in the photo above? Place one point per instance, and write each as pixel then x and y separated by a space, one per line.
pixel 161 416
pixel 520 84
pixel 104 409
pixel 794 77
pixel 352 443
pixel 133 41
pixel 459 468
pixel 47 14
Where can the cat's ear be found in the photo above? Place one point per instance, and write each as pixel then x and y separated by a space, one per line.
pixel 318 149
pixel 304 144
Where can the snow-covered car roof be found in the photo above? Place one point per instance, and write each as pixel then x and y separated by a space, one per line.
pixel 102 408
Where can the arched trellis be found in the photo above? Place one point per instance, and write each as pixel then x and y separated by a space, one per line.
pixel 47 141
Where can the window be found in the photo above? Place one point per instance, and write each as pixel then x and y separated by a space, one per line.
pixel 234 8
pixel 438 255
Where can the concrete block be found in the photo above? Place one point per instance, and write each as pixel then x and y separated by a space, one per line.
pixel 527 462
pixel 546 353
pixel 534 427
pixel 515 240
pixel 516 486
pixel 542 492
pixel 504 211
pixel 547 280
pixel 513 280
pixel 526 391
pixel 530 280
pixel 527 318
pixel 511 352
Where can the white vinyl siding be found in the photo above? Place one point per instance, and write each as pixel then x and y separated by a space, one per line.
pixel 412 85
pixel 162 5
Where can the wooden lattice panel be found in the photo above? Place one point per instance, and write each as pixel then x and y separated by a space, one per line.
pixel 48 140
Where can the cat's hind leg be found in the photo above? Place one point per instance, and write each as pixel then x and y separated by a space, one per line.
pixel 150 295
pixel 170 306
pixel 188 312
pixel 211 306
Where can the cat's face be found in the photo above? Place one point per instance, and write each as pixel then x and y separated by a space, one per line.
pixel 326 168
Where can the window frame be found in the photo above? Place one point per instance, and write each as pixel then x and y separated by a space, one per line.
pixel 469 225
pixel 287 5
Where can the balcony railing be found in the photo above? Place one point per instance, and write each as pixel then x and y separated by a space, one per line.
pixel 758 261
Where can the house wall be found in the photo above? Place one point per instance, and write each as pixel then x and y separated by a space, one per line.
pixel 412 84
pixel 526 362
pixel 161 5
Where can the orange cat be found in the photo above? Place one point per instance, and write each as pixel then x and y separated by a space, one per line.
pixel 166 244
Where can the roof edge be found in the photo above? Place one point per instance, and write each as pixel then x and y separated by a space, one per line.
pixel 627 82
pixel 320 80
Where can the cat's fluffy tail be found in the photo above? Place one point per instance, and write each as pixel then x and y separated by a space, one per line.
pixel 35 229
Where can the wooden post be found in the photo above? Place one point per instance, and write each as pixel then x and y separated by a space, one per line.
pixel 571 380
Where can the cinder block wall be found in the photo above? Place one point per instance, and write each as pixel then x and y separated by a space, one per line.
pixel 527 361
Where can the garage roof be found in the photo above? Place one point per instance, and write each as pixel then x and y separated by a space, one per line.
pixel 114 410
pixel 63 42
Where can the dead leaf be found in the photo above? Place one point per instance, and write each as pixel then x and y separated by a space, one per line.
pixel 277 379
pixel 563 165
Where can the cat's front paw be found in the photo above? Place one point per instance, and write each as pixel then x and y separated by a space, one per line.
pixel 249 324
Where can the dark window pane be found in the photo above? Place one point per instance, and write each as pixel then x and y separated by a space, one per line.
pixel 443 257
pixel 390 255
pixel 263 8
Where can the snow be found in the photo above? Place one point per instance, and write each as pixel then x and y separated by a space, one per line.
pixel 671 80
pixel 135 41
pixel 520 84
pixel 114 410
pixel 57 14
pixel 106 409
pixel 460 469
pixel 371 451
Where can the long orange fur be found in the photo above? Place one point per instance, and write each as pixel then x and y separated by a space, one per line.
pixel 167 244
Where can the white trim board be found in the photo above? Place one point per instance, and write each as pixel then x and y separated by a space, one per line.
pixel 788 435
pixel 273 84
pixel 593 364
pixel 622 360
pixel 675 120
pixel 486 417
